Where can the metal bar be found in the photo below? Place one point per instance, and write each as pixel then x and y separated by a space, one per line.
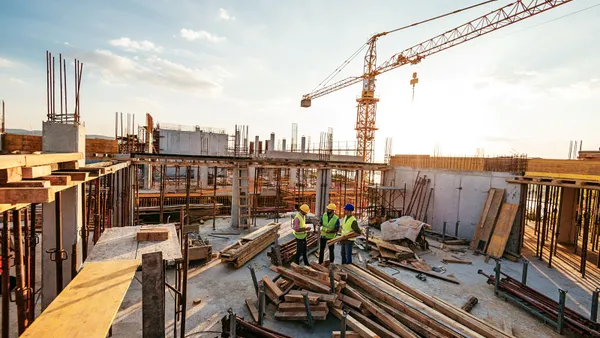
pixel 554 239
pixel 5 275
pixel 545 223
pixel 343 324
pixel 232 323
pixel 594 309
pixel 58 252
pixel 215 201
pixel 261 304
pixel 32 263
pixel 188 178
pixel 524 274
pixel 497 280
pixel 27 262
pixel 561 310
pixel 254 280
pixel 186 262
pixel 163 174
pixel 84 232
pixel 20 290
pixel 307 307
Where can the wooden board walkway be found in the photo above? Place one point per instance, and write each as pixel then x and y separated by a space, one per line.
pixel 89 304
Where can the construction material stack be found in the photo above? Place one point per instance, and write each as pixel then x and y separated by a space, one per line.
pixel 250 245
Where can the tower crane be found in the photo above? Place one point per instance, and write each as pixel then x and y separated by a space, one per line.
pixel 367 102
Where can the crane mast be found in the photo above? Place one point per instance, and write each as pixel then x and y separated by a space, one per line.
pixel 367 102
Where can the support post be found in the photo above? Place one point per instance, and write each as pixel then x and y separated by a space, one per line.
pixel 232 323
pixel 261 305
pixel 32 264
pixel 331 278
pixel 594 310
pixel 254 280
pixel 562 294
pixel 444 233
pixel 184 280
pixel 307 307
pixel 343 322
pixel 58 251
pixel 497 281
pixel 20 289
pixel 153 295
pixel 5 275
pixel 524 274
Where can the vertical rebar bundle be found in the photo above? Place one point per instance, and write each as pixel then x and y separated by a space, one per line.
pixel 63 116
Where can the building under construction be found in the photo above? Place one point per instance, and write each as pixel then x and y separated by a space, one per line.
pixel 181 231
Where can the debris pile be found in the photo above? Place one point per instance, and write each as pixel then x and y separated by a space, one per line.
pixel 287 250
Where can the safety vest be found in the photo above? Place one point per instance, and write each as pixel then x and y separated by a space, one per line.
pixel 328 225
pixel 299 235
pixel 347 226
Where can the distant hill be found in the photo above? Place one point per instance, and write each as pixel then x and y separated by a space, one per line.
pixel 39 133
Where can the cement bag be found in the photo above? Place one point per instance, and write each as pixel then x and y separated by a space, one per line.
pixel 404 227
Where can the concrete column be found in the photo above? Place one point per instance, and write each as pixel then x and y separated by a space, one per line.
pixel 235 198
pixel 203 177
pixel 272 142
pixel 293 173
pixel 61 138
pixel 323 186
pixel 303 144
pixel 568 208
pixel 283 145
pixel 148 179
pixel 256 140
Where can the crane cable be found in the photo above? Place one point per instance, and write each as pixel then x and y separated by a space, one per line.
pixel 349 59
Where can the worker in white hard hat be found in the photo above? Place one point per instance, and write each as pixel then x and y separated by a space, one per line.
pixel 300 231
pixel 330 225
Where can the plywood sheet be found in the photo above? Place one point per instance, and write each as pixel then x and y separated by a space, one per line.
pixel 88 305
pixel 121 244
pixel 484 230
pixel 502 230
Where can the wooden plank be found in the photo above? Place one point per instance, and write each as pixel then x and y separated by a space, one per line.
pixel 95 294
pixel 342 238
pixel 359 328
pixel 257 233
pixel 272 286
pixel 385 253
pixel 351 301
pixel 328 298
pixel 26 195
pixel 389 246
pixel 35 172
pixel 75 176
pixel 58 179
pixel 312 300
pixel 487 227
pixel 502 230
pixel 72 165
pixel 253 310
pixel 385 318
pixel 349 334
pixel 170 248
pixel 11 161
pixel 27 184
pixel 380 330
pixel 296 307
pixel 457 261
pixel 11 175
pixel 428 273
pixel 305 282
pixel 152 234
pixel 43 159
pixel 482 217
pixel 153 294
pixel 300 315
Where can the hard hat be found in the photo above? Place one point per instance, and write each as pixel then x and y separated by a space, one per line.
pixel 305 208
pixel 349 207
pixel 331 206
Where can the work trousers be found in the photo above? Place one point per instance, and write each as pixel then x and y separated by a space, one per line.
pixel 322 246
pixel 301 250
pixel 347 252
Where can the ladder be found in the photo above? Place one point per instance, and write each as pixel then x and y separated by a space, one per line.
pixel 244 219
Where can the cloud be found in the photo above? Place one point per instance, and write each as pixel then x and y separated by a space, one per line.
pixel 224 15
pixel 192 35
pixel 16 80
pixel 133 46
pixel 155 71
pixel 6 63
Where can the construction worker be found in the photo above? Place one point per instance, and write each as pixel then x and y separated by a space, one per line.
pixel 300 231
pixel 330 225
pixel 349 224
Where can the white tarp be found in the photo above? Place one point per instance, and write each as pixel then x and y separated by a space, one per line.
pixel 401 228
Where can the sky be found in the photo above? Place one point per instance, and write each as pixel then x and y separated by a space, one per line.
pixel 529 88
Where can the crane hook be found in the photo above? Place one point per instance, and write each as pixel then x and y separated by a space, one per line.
pixel 413 82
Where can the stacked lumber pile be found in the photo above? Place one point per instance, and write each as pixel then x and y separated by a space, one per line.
pixel 246 329
pixel 250 245
pixel 495 225
pixel 390 308
pixel 288 249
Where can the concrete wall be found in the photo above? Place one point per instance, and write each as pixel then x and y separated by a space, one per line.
pixel 458 196
pixel 192 143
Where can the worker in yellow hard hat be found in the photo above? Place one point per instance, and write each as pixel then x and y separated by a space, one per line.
pixel 300 231
pixel 330 225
